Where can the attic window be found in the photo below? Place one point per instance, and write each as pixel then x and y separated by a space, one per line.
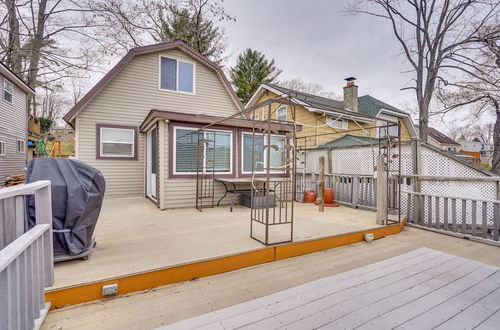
pixel 176 75
pixel 281 113
pixel 336 122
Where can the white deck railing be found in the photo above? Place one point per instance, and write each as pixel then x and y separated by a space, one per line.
pixel 26 258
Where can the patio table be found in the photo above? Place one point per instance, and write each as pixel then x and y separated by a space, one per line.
pixel 230 185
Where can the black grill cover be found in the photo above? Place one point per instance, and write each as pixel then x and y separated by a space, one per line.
pixel 77 194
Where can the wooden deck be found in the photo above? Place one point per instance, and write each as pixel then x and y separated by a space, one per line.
pixel 134 237
pixel 175 302
pixel 422 289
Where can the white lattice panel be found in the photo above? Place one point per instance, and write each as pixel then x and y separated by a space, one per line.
pixel 436 164
pixel 354 160
pixel 462 189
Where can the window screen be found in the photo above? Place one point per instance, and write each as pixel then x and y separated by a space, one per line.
pixel 186 150
pixel 168 74
pixel 185 77
pixel 258 152
pixel 2 148
pixel 218 145
pixel 8 90
pixel 117 142
pixel 176 75
pixel 281 113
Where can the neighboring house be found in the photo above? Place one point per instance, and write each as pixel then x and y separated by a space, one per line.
pixel 321 116
pixel 13 123
pixel 139 124
pixel 483 152
pixel 441 141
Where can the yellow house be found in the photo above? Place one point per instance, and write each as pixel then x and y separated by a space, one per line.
pixel 324 120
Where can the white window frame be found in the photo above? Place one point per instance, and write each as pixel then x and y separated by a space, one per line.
pixel 255 116
pixel 284 107
pixel 177 60
pixel 101 141
pixel 344 123
pixel 5 82
pixel 265 154
pixel 174 153
pixel 3 148
pixel 382 119
pixel 21 142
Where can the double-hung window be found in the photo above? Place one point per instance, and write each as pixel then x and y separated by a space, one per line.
pixel 335 122
pixel 260 158
pixel 281 113
pixel 21 146
pixel 383 120
pixel 3 151
pixel 176 75
pixel 117 142
pixel 215 145
pixel 8 90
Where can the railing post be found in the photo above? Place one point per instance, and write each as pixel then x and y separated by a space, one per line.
pixel 43 213
pixel 381 191
pixel 355 191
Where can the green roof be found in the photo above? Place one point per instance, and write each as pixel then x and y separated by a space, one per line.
pixel 371 106
pixel 311 99
pixel 367 105
pixel 349 141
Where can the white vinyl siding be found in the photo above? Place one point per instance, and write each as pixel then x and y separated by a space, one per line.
pixel 2 148
pixel 127 100
pixel 13 126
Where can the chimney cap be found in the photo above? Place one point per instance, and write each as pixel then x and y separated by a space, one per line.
pixel 350 79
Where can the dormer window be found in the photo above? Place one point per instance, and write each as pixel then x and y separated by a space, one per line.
pixel 176 75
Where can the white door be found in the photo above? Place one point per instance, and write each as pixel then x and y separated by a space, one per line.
pixel 151 162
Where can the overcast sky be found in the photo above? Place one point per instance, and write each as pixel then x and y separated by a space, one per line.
pixel 318 42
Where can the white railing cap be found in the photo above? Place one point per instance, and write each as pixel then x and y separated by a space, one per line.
pixel 14 249
pixel 23 189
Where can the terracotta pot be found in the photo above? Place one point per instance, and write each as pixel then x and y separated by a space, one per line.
pixel 310 196
pixel 328 195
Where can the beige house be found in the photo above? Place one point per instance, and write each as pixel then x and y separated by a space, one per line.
pixel 138 124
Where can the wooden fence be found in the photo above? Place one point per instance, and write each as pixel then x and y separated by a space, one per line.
pixel 26 257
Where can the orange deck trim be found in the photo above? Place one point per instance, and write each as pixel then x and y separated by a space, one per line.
pixel 316 245
pixel 150 279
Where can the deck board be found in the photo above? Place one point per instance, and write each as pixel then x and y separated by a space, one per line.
pixel 422 289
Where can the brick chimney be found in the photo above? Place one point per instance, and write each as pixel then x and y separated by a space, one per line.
pixel 351 95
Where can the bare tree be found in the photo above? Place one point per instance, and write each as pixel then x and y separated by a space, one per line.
pixel 478 90
pixel 47 41
pixel 309 88
pixel 136 23
pixel 438 37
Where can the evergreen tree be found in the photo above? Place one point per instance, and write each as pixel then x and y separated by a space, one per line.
pixel 252 69
pixel 193 25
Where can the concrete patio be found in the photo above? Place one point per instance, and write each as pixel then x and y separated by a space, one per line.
pixel 133 237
